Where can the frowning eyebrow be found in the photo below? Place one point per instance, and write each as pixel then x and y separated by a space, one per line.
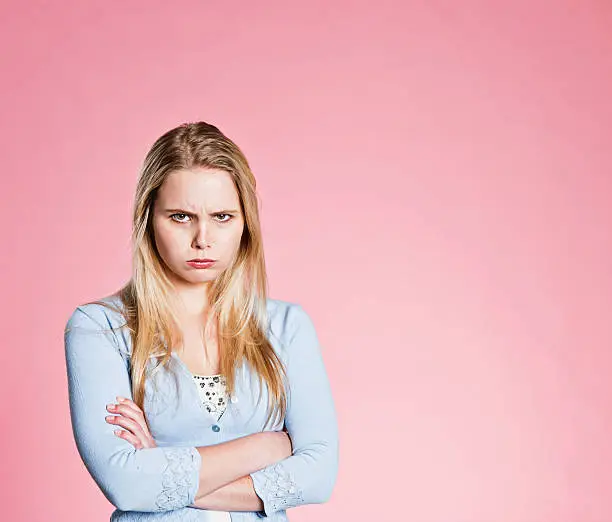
pixel 186 212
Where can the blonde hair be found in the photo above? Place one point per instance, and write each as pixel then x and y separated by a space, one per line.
pixel 237 297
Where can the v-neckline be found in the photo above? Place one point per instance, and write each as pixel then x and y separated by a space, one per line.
pixel 177 356
pixel 211 418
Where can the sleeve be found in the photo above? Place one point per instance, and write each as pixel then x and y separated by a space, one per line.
pixel 150 479
pixel 309 475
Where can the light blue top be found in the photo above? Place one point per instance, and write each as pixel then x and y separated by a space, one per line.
pixel 161 483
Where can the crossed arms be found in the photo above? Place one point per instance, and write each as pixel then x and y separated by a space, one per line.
pixel 251 473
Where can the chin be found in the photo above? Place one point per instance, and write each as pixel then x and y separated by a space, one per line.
pixel 201 276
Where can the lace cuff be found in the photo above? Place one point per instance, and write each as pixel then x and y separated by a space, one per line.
pixel 180 479
pixel 277 489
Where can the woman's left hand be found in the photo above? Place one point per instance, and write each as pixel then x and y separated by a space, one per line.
pixel 130 417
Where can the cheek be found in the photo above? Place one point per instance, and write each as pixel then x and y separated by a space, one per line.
pixel 167 241
pixel 231 241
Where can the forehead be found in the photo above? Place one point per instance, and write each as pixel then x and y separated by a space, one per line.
pixel 192 188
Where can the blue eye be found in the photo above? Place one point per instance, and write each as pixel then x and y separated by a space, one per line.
pixel 228 217
pixel 179 214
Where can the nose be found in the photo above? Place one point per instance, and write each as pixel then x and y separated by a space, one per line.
pixel 202 238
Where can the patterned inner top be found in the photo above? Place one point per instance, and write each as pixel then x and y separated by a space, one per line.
pixel 213 394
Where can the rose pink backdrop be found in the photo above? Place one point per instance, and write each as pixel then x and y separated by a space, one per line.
pixel 436 184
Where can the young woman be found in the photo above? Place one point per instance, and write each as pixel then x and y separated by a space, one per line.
pixel 193 396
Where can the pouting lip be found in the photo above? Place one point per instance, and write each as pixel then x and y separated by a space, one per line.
pixel 201 261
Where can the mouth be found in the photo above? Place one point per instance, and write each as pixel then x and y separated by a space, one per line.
pixel 201 263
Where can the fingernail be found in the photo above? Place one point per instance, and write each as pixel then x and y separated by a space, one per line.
pixel 120 399
pixel 110 406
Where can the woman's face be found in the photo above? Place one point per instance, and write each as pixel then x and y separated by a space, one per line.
pixel 197 215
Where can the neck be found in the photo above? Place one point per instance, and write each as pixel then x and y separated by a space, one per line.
pixel 192 301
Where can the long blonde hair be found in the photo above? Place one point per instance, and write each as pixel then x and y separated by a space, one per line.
pixel 237 297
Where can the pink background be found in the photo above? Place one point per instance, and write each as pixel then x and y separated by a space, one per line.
pixel 436 180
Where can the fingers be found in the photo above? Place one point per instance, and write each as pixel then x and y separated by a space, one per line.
pixel 130 417
pixel 132 432
pixel 130 404
pixel 127 423
pixel 132 439
pixel 130 410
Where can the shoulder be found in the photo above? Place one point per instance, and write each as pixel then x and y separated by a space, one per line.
pixel 102 313
pixel 283 313
pixel 288 319
pixel 99 318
